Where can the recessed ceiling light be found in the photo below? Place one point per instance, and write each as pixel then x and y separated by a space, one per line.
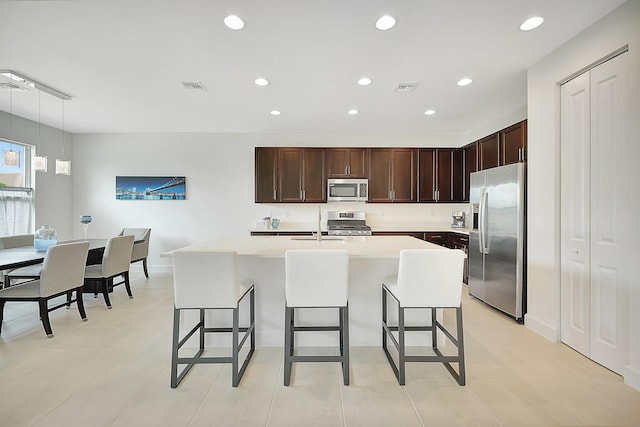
pixel 275 113
pixel 464 82
pixel 234 22
pixel 365 81
pixel 430 112
pixel 261 81
pixel 531 23
pixel 353 112
pixel 385 23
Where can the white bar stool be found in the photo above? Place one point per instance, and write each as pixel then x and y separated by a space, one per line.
pixel 316 278
pixel 203 281
pixel 427 278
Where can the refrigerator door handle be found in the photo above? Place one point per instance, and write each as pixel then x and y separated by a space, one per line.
pixel 483 222
pixel 480 222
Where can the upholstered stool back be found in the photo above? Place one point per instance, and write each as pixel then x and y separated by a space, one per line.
pixel 430 278
pixel 205 280
pixel 316 277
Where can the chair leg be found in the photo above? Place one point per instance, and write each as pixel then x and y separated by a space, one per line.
pixel 384 318
pixel 174 348
pixel 44 316
pixel 127 285
pixel 460 336
pixel 235 333
pixel 80 303
pixel 105 292
pixel 144 266
pixel 345 343
pixel 288 345
pixel 1 313
pixel 401 349
pixel 434 329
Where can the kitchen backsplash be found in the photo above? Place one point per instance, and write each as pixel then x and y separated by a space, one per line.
pixel 377 213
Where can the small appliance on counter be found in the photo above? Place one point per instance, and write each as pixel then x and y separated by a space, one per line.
pixel 457 219
pixel 343 223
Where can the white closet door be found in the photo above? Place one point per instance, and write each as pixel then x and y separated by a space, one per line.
pixel 609 316
pixel 575 213
pixel 594 279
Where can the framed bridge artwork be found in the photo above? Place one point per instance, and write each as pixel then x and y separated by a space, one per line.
pixel 150 188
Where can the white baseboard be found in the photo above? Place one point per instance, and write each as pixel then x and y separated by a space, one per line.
pixel 541 328
pixel 632 377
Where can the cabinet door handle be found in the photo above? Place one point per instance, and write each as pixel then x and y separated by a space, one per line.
pixel 348 169
pixel 275 195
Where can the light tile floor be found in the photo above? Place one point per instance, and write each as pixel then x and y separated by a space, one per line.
pixel 114 371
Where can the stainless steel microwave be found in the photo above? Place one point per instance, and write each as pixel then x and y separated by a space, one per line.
pixel 348 190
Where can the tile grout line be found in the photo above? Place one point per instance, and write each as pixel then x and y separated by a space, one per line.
pixel 413 405
pixel 275 388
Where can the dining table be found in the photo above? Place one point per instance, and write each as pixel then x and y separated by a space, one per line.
pixel 28 255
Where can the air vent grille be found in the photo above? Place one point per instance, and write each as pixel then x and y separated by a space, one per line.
pixel 193 85
pixel 406 87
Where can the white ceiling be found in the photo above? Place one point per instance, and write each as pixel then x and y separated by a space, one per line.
pixel 123 62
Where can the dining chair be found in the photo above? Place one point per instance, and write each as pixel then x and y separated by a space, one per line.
pixel 140 250
pixel 207 281
pixel 115 262
pixel 427 279
pixel 316 278
pixel 18 241
pixel 62 273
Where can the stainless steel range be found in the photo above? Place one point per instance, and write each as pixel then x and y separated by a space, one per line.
pixel 347 223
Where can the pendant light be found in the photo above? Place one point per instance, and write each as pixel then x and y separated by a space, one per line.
pixel 63 167
pixel 11 158
pixel 39 163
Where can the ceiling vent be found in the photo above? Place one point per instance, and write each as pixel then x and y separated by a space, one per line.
pixel 193 85
pixel 406 87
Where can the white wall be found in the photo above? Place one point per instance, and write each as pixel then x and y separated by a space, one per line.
pixel 614 31
pixel 219 169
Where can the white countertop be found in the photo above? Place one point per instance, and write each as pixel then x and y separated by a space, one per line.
pixel 275 246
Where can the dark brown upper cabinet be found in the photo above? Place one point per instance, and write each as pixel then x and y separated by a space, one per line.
pixel 290 175
pixel 267 175
pixel 302 176
pixel 470 165
pixel 393 175
pixel 441 175
pixel 346 162
pixel 513 144
pixel 489 148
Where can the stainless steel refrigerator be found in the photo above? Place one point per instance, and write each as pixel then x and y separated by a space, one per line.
pixel 497 238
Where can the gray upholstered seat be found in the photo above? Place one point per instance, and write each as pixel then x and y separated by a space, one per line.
pixel 62 273
pixel 115 262
pixel 18 241
pixel 140 250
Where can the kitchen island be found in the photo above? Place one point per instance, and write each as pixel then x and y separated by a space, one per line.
pixel 261 258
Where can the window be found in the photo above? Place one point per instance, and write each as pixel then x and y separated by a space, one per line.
pixel 16 192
